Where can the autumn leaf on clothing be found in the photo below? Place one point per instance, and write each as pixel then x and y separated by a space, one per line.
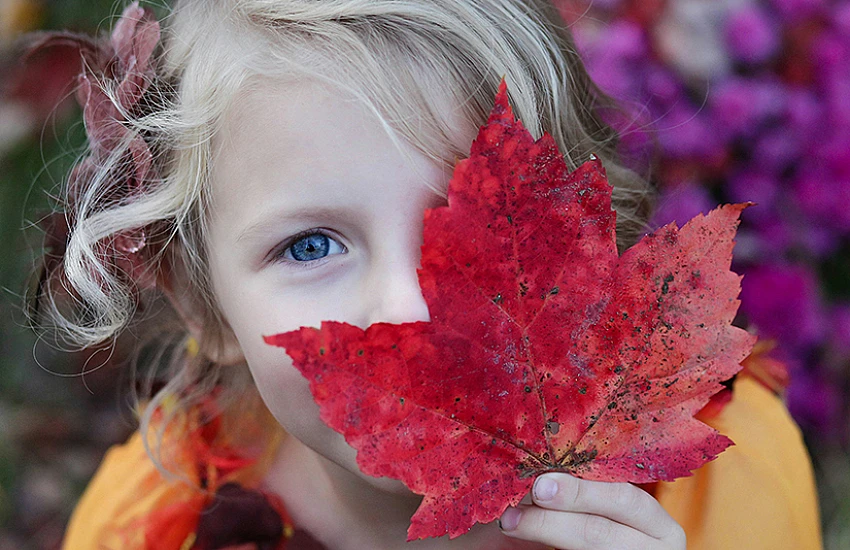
pixel 546 351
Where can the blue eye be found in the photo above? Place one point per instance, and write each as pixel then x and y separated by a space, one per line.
pixel 311 247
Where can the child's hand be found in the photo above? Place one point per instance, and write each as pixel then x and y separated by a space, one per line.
pixel 573 514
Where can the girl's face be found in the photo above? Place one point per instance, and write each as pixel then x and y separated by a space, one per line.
pixel 317 215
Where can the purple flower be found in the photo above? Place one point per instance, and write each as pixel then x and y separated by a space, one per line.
pixel 662 85
pixel 814 402
pixel 740 106
pixel 751 36
pixel 841 18
pixel 615 56
pixel 837 91
pixel 753 186
pixel 840 324
pixel 625 40
pixel 803 113
pixel 776 236
pixel 776 150
pixel 823 196
pixel 684 132
pixel 817 240
pixel 793 11
pixel 783 303
pixel 682 203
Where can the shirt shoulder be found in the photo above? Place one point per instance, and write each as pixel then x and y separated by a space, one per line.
pixel 126 488
pixel 760 492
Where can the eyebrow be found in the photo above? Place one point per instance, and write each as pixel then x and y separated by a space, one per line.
pixel 273 219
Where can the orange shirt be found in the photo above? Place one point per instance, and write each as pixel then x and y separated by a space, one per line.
pixel 758 494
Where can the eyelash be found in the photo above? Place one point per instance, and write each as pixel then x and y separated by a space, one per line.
pixel 277 255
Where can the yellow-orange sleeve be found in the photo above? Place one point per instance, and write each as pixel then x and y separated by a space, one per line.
pixel 125 488
pixel 759 493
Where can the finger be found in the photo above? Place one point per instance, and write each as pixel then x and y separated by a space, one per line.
pixel 621 502
pixel 576 531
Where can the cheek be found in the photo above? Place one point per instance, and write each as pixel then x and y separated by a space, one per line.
pixel 285 392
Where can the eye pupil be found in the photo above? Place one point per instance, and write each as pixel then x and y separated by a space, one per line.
pixel 310 247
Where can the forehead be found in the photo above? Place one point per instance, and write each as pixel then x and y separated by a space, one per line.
pixel 297 121
pixel 287 129
pixel 290 147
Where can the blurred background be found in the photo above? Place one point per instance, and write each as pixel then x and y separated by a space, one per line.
pixel 723 101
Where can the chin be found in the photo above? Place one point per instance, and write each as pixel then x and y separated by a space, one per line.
pixel 332 446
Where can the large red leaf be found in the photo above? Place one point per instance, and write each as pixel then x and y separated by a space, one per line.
pixel 545 350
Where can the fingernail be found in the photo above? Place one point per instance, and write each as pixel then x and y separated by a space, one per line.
pixel 509 520
pixel 545 488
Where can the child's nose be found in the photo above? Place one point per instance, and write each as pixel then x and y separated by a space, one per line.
pixel 395 297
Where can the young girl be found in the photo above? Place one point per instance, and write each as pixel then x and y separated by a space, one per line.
pixel 265 165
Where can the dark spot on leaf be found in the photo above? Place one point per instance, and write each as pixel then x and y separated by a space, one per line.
pixel 583 390
pixel 618 369
pixel 612 405
pixel 665 288
pixel 671 382
pixel 457 399
pixel 523 289
pixel 554 291
pixel 360 352
pixel 321 351
pixel 401 400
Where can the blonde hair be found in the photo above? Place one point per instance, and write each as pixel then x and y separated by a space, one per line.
pixel 401 58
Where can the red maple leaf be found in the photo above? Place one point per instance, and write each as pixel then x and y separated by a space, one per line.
pixel 546 351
